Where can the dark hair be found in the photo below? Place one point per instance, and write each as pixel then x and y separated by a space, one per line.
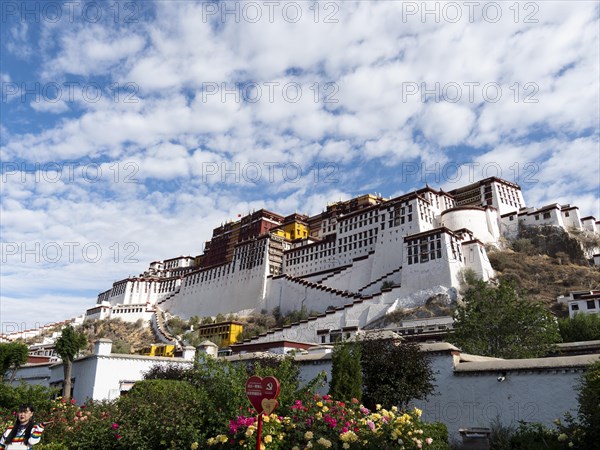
pixel 15 429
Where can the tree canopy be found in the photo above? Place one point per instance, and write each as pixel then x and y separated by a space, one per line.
pixel 70 343
pixel 394 373
pixel 498 322
pixel 12 356
pixel 346 375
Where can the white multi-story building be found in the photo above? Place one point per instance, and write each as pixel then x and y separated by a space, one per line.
pixel 413 244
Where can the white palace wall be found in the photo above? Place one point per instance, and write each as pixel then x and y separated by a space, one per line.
pixel 483 223
pixel 476 259
pixel 231 292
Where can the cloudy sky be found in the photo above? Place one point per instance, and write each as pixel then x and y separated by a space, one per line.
pixel 129 130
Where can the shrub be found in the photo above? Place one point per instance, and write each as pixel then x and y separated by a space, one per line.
pixel 161 414
pixel 81 427
pixel 38 396
pixel 535 436
pixel 167 372
pixel 582 327
pixel 439 433
pixel 501 435
pixel 589 405
pixel 322 422
pixel 524 246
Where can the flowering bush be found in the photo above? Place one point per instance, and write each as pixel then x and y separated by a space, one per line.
pixel 322 423
pixel 81 427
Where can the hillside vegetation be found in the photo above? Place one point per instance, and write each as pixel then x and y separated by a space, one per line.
pixel 543 278
pixel 126 337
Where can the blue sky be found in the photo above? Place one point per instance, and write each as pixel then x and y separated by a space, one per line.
pixel 129 130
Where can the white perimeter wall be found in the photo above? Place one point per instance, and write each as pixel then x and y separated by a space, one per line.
pixel 463 400
pixel 476 399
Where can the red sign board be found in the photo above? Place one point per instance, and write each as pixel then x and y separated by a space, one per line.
pixel 262 393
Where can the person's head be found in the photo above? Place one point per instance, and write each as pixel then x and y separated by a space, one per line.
pixel 24 419
pixel 24 414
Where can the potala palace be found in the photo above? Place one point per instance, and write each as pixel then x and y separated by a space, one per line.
pixel 354 262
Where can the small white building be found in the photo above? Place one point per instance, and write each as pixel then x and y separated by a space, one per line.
pixel 102 375
pixel 581 302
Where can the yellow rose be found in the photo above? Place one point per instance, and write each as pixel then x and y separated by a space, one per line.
pixel 324 442
pixel 268 439
pixel 194 445
pixel 308 435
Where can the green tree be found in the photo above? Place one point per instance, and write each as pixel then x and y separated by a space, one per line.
pixel 12 356
pixel 394 373
pixel 346 375
pixel 582 327
pixel 68 345
pixel 589 405
pixel 496 321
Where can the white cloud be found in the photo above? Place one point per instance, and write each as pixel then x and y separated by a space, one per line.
pixel 360 63
pixel 447 124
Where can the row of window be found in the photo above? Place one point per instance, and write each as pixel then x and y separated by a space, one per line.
pixel 358 236
pixel 424 249
pixel 545 215
pixel 590 304
pixel 301 259
pixel 128 311
pixel 250 263
pixel 360 244
pixel 119 289
pixel 210 274
pixel 166 286
pixel 352 226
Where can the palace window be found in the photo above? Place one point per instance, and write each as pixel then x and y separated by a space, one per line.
pixel 591 304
